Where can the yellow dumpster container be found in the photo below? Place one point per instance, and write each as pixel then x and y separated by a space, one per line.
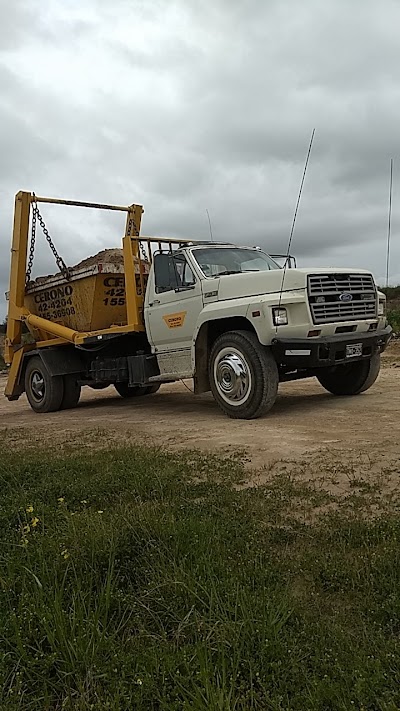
pixel 92 299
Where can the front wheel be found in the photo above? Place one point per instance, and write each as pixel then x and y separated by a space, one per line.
pixel 243 375
pixel 350 378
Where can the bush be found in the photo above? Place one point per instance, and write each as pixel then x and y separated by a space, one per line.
pixel 392 293
pixel 393 316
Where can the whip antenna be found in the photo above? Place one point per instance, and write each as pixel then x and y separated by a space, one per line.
pixel 295 215
pixel 209 224
pixel 389 223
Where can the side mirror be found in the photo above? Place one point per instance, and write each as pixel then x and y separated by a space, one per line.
pixel 164 273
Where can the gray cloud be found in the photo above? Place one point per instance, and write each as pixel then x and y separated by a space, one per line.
pixel 183 107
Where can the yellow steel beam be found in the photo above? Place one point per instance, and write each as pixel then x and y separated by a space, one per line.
pixel 133 220
pixel 13 388
pixel 19 250
pixel 132 298
pixel 79 203
pixel 130 245
pixel 56 329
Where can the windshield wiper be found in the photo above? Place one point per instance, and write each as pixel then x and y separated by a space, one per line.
pixel 243 271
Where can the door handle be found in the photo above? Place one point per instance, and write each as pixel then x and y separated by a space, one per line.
pixel 156 301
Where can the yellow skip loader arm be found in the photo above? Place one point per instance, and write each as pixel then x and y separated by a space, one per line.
pixel 46 332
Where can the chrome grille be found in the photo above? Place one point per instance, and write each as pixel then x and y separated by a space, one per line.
pixel 342 297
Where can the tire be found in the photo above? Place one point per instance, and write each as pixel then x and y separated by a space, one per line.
pixel 44 392
pixel 125 391
pixel 99 386
pixel 243 375
pixel 351 378
pixel 72 392
pixel 151 389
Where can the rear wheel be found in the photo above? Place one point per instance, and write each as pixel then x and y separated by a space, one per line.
pixel 151 389
pixel 72 392
pixel 243 375
pixel 351 378
pixel 124 390
pixel 44 392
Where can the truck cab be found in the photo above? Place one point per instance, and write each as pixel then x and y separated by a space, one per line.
pixel 226 315
pixel 305 322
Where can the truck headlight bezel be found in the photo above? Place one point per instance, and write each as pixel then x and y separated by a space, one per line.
pixel 280 316
pixel 382 307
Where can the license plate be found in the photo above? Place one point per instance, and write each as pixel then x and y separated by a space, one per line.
pixel 354 350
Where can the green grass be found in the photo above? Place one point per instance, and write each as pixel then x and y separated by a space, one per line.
pixel 155 581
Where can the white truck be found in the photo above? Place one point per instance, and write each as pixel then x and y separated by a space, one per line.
pixel 227 316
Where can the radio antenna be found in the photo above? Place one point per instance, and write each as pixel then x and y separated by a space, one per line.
pixel 295 215
pixel 389 223
pixel 209 224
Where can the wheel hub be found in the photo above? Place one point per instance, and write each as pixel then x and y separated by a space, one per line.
pixel 37 385
pixel 232 376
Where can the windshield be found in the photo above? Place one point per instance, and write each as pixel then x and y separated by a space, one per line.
pixel 216 261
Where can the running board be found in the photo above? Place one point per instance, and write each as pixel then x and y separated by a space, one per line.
pixel 170 377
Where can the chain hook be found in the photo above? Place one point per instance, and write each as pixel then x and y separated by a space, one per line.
pixel 36 216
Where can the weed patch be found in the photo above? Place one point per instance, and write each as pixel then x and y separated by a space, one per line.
pixel 136 579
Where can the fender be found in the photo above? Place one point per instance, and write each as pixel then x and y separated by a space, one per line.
pixel 61 361
pixel 214 319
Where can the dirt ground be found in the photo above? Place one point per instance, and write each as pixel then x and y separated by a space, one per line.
pixel 307 427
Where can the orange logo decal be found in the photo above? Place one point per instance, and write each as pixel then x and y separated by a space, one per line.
pixel 175 320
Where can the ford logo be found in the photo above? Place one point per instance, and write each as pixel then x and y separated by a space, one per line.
pixel 346 296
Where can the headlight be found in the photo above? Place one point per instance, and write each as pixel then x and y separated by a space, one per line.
pixel 382 307
pixel 279 317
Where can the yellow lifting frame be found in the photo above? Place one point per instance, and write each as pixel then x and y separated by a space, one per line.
pixel 18 313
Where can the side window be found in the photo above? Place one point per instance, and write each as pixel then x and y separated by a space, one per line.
pixel 185 274
pixel 172 272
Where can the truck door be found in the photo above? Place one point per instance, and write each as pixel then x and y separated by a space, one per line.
pixel 173 303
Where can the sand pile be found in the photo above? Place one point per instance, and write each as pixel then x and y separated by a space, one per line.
pixel 106 256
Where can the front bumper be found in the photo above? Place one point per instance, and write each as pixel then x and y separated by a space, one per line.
pixel 327 350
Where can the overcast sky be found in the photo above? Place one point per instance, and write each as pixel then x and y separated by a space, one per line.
pixel 185 105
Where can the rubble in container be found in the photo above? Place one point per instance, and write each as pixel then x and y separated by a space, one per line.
pixel 106 256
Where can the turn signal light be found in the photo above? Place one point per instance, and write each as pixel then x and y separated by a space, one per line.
pixel 279 316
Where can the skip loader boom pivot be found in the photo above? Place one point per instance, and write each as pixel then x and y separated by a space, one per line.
pixel 164 309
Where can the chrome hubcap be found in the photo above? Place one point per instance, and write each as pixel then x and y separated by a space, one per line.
pixel 232 376
pixel 37 385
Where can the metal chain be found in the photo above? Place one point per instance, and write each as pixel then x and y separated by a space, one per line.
pixel 143 251
pixel 31 249
pixel 59 260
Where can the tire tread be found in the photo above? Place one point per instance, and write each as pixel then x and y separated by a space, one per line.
pixel 265 374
